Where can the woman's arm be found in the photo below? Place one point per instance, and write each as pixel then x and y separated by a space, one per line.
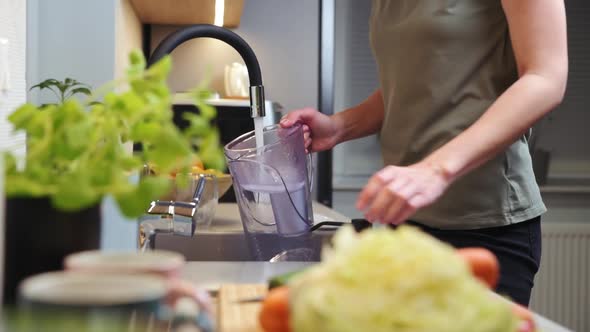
pixel 322 132
pixel 539 38
pixel 362 120
pixel 538 33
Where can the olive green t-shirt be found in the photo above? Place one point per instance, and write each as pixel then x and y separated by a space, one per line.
pixel 441 65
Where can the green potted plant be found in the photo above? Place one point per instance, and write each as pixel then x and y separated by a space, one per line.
pixel 63 90
pixel 76 155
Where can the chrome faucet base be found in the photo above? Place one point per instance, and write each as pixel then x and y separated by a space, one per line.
pixel 172 217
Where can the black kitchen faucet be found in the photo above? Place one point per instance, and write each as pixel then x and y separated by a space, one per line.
pixel 182 215
pixel 211 31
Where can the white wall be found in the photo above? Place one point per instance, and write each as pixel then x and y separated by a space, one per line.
pixel 13 29
pixel 74 39
pixel 119 232
pixel 284 34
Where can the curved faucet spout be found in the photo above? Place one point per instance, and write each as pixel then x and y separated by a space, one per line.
pixel 211 31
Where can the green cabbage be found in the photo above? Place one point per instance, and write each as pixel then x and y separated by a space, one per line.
pixel 403 280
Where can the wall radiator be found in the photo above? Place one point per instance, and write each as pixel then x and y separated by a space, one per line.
pixel 562 286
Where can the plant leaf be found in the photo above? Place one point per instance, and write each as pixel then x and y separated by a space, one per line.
pixel 74 192
pixel 134 203
pixel 18 185
pixel 136 64
pixel 167 149
pixel 46 84
pixel 10 164
pixel 82 90
pixel 198 125
pixel 22 116
pixel 160 70
pixel 145 131
pixel 207 111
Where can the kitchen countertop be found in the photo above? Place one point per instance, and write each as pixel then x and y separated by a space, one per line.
pixel 212 274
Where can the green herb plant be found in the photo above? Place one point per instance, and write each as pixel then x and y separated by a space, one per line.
pixel 76 150
pixel 65 89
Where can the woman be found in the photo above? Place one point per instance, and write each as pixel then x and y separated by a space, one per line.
pixel 461 83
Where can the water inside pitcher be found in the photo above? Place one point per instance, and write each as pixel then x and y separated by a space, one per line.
pixel 273 182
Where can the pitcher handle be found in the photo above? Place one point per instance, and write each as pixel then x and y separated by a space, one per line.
pixel 310 171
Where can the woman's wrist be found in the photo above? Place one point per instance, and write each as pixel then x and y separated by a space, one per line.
pixel 339 122
pixel 354 122
pixel 440 167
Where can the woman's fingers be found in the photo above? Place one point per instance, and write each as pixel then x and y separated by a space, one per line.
pixel 394 208
pixel 306 136
pixel 304 115
pixel 298 116
pixel 375 185
pixel 400 209
pixel 405 214
pixel 307 141
pixel 398 212
pixel 395 193
pixel 401 215
pixel 381 202
pixel 391 194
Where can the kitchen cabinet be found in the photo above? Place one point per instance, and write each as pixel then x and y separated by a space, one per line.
pixel 225 13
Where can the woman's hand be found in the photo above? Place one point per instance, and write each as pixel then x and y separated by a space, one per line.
pixel 395 193
pixel 320 131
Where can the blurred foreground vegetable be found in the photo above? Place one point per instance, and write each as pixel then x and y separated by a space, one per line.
pixel 274 315
pixel 483 264
pixel 383 280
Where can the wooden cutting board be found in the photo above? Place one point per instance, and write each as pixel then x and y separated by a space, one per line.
pixel 233 316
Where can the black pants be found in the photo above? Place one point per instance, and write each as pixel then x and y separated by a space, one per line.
pixel 517 246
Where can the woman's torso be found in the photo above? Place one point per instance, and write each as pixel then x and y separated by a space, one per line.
pixel 441 65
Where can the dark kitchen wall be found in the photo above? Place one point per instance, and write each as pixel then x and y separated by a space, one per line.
pixel 565 133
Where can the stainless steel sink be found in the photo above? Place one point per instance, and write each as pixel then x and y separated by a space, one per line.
pixel 233 246
pixel 225 240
